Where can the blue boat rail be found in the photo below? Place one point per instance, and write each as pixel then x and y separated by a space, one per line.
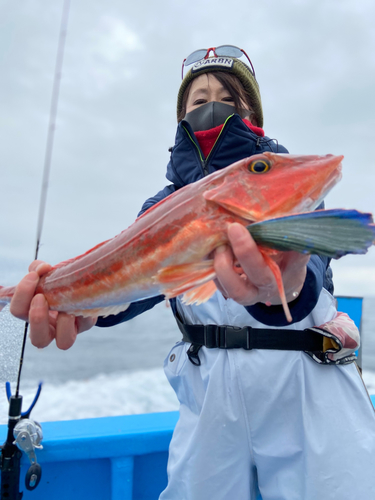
pixel 113 458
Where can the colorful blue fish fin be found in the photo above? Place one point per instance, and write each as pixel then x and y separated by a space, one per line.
pixel 333 233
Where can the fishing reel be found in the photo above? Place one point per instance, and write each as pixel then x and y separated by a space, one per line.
pixel 24 435
pixel 28 435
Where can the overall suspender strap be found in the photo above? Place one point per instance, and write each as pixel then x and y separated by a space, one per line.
pixel 231 337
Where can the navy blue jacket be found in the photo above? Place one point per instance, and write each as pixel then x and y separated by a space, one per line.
pixel 188 165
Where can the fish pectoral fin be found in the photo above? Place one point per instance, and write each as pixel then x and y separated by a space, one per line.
pixel 333 233
pixel 175 280
pixel 100 311
pixel 200 294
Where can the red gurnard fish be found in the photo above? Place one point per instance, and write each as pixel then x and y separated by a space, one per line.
pixel 167 249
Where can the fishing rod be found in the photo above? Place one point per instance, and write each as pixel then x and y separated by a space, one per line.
pixel 25 434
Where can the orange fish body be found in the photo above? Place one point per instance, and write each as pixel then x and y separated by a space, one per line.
pixel 166 250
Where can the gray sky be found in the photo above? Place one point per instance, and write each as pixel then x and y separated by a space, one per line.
pixel 316 69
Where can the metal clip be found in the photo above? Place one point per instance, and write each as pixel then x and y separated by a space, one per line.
pixel 192 353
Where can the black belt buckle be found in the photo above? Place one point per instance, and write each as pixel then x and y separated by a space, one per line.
pixel 227 337
pixel 221 338
pixel 240 337
pixel 210 336
pixel 234 337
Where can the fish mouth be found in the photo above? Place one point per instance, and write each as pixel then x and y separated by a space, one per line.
pixel 317 195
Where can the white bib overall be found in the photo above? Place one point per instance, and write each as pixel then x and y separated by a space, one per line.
pixel 268 419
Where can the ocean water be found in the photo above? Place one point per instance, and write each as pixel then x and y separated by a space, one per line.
pixel 114 371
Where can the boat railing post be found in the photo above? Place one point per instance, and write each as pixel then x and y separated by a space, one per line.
pixel 122 478
pixel 352 306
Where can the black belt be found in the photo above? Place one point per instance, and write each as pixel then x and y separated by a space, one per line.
pixel 232 337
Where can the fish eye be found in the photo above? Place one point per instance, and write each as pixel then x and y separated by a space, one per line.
pixel 259 166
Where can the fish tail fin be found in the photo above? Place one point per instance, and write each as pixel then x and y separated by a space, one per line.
pixel 6 294
pixel 279 281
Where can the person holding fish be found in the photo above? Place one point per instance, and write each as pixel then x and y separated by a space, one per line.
pixel 270 400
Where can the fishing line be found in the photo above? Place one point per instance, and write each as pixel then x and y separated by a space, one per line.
pixel 48 153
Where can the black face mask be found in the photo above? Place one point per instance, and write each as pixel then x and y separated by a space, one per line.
pixel 211 115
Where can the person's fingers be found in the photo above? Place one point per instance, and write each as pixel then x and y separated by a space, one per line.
pixel 48 325
pixel 53 318
pixel 254 280
pixel 229 282
pixel 40 267
pixel 66 331
pixel 45 325
pixel 249 257
pixel 293 269
pixel 84 324
pixel 23 295
pixel 41 332
pixel 25 289
pixel 295 261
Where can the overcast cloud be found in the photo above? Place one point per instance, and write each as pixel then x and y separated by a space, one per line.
pixel 314 61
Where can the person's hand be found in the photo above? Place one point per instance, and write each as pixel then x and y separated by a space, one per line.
pixel 255 282
pixel 45 325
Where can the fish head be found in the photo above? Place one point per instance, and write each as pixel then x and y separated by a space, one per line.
pixel 271 185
